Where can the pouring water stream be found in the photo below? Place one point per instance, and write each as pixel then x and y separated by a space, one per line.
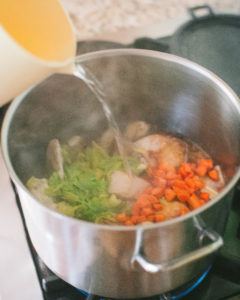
pixel 95 86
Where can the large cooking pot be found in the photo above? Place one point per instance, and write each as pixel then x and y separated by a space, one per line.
pixel 177 95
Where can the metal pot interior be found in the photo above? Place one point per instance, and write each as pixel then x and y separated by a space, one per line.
pixel 161 89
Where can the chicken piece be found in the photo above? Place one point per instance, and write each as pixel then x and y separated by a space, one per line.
pixel 54 157
pixel 158 148
pixel 172 209
pixel 136 130
pixel 126 186
pixel 37 187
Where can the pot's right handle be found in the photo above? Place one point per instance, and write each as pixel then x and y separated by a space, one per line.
pixel 193 10
pixel 214 237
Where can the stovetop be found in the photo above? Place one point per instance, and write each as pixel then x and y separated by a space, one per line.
pixel 221 282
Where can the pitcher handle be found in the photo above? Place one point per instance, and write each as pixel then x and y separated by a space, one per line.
pixel 214 237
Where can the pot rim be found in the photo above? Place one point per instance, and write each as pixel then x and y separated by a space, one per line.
pixel 121 52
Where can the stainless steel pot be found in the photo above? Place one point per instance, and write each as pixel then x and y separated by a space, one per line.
pixel 177 95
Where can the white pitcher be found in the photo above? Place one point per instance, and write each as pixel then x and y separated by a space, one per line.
pixel 36 40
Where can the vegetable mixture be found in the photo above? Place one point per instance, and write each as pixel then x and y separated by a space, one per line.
pixel 169 177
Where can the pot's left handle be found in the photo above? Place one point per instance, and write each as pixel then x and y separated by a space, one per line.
pixel 214 237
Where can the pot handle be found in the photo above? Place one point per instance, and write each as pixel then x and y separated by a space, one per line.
pixel 192 10
pixel 214 237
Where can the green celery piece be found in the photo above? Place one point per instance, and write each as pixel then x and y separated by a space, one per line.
pixel 83 192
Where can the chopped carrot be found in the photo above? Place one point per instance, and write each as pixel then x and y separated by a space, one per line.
pixel 136 209
pixel 134 219
pixel 159 217
pixel 207 162
pixel 213 174
pixel 157 191
pixel 183 195
pixel 165 167
pixel 190 183
pixel 144 200
pixel 198 183
pixel 151 218
pixel 204 196
pixel 186 169
pixel 129 223
pixel 201 170
pixel 147 211
pixel 183 184
pixel 169 194
pixel 158 206
pixel 194 202
pixel 159 173
pixel 122 217
pixel 184 211
pixel 178 183
pixel 154 200
pixel 193 166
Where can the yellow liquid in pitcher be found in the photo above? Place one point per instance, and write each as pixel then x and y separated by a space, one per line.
pixel 39 26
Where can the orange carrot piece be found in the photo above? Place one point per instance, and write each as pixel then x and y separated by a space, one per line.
pixel 184 211
pixel 159 217
pixel 201 170
pixel 159 173
pixel 185 170
pixel 134 219
pixel 155 200
pixel 129 223
pixel 183 195
pixel 207 162
pixel 158 206
pixel 144 200
pixel 136 209
pixel 158 192
pixel 194 202
pixel 191 184
pixel 151 218
pixel 147 211
pixel 213 174
pixel 121 217
pixel 204 196
pixel 165 167
pixel 198 183
pixel 169 194
pixel 178 183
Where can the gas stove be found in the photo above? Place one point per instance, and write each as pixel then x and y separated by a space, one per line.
pixel 220 281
